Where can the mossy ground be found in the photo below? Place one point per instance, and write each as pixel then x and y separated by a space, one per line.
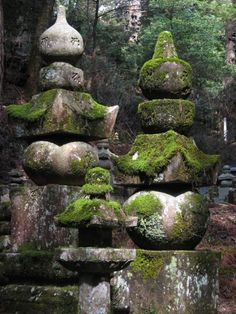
pixel 82 210
pixel 150 154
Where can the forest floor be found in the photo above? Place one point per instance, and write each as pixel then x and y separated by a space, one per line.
pixel 221 237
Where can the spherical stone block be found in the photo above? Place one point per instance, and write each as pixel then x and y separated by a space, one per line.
pixel 61 75
pixel 160 115
pixel 61 42
pixel 166 78
pixel 47 163
pixel 167 222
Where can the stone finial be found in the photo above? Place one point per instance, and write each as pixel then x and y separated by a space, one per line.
pixel 61 42
pixel 165 47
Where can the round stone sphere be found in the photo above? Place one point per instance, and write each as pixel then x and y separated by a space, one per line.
pixel 166 78
pixel 166 222
pixel 48 163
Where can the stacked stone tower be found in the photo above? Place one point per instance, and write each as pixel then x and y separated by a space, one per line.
pixel 58 122
pixel 164 167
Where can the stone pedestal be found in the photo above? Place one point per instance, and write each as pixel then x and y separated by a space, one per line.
pixel 169 282
pixel 94 294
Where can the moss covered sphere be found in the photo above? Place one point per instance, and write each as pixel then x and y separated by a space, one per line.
pixel 165 75
pixel 167 222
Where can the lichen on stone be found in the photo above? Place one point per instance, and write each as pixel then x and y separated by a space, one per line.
pixel 33 110
pixel 190 222
pixel 151 153
pixel 148 264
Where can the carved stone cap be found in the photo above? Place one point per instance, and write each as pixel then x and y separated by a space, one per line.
pixel 61 42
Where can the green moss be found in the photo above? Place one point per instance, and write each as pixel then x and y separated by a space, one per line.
pixel 150 154
pixel 96 189
pixel 144 205
pixel 89 108
pixel 191 221
pixel 34 109
pixel 154 76
pixel 82 210
pixel 97 175
pixel 165 47
pixel 81 166
pixel 148 264
pixel 164 114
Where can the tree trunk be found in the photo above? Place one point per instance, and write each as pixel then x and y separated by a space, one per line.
pixel 1 49
pixel 44 17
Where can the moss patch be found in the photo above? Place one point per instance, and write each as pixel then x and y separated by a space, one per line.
pixel 89 108
pixel 96 189
pixel 80 166
pixel 165 47
pixel 144 205
pixel 164 114
pixel 191 221
pixel 148 264
pixel 33 110
pixel 82 210
pixel 150 154
pixel 97 175
pixel 166 76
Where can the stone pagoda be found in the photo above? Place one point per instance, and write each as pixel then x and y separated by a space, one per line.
pixel 164 167
pixel 58 123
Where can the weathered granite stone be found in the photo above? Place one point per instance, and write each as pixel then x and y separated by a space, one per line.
pixel 169 282
pixel 165 75
pixel 94 295
pixel 33 299
pixel 61 42
pixel 47 163
pixel 58 112
pixel 61 75
pixel 5 242
pixel 104 154
pixel 33 211
pixel 160 115
pixel 35 266
pixel 167 222
pixel 95 260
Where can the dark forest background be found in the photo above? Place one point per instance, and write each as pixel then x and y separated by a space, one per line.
pixel 119 37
